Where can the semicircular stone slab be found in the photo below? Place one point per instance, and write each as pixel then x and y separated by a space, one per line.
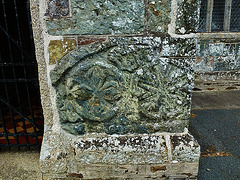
pixel 122 86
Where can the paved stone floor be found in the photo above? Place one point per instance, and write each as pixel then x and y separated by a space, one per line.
pixel 19 166
pixel 215 123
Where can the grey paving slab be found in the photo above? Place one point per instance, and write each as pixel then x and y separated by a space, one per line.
pixel 218 133
pixel 219 168
pixel 217 129
pixel 216 100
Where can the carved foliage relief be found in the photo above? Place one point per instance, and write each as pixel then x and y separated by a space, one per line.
pixel 122 87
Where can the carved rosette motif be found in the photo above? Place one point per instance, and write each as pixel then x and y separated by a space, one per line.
pixel 122 87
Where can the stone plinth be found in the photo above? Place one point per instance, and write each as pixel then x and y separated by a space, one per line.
pixel 116 79
pixel 172 155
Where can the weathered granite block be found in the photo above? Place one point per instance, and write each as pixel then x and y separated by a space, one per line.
pixel 158 17
pixel 214 49
pixel 58 8
pixel 123 86
pixel 111 150
pixel 184 148
pixel 178 47
pixel 187 16
pixel 225 63
pixel 216 56
pixel 100 17
pixel 204 64
pixel 229 50
pixel 238 49
pixel 200 49
pixel 99 156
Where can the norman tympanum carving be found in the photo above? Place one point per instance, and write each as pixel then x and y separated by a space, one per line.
pixel 122 87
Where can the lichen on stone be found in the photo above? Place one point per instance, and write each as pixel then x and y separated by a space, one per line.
pixel 58 48
pixel 123 87
pixel 158 14
pixel 187 16
pixel 100 17
pixel 57 8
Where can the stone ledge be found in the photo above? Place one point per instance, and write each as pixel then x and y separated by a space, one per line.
pixel 163 155
pixel 162 171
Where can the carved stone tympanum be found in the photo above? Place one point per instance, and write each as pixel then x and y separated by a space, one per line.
pixel 122 86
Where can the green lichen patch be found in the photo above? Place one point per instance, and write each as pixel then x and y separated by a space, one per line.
pixel 158 14
pixel 58 48
pixel 100 17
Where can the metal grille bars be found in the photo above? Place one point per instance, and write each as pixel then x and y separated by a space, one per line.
pixel 219 15
pixel 21 119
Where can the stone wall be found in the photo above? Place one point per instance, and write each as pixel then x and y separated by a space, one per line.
pixel 213 55
pixel 116 79
pixel 217 62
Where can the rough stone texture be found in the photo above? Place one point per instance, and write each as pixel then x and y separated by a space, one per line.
pixel 42 66
pixel 123 87
pixel 122 150
pixel 158 17
pixel 187 16
pixel 184 148
pixel 217 56
pixel 217 81
pixel 58 8
pixel 217 62
pixel 100 17
pixel 51 160
pixel 121 73
pixel 179 47
pixel 58 48
pixel 20 165
pixel 124 156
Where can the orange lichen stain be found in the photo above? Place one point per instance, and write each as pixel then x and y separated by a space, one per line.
pixel 212 152
pixel 216 154
pixel 193 115
pixel 154 11
pixel 93 104
pixel 108 97
pixel 158 168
